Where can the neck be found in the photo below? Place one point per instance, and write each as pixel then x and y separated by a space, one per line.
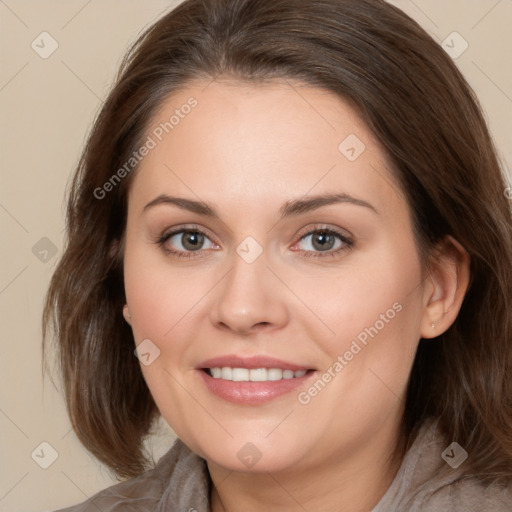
pixel 340 484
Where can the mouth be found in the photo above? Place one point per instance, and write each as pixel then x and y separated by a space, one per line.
pixel 252 380
pixel 253 374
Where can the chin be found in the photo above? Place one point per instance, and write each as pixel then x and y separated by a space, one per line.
pixel 249 454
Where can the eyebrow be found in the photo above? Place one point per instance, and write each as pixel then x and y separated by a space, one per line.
pixel 289 209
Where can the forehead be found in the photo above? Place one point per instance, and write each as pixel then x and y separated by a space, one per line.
pixel 256 142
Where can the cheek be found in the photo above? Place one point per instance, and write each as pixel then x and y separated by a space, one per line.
pixel 373 312
pixel 375 318
pixel 160 301
pixel 378 297
pixel 158 298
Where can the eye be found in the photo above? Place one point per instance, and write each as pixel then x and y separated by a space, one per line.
pixel 324 240
pixel 320 242
pixel 182 242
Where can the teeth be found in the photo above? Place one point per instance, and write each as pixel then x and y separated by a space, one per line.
pixel 257 375
pixel 216 372
pixel 240 374
pixel 254 374
pixel 226 373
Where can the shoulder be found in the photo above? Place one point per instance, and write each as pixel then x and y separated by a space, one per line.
pixel 467 496
pixel 178 468
pixel 426 482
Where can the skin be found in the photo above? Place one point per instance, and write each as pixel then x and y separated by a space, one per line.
pixel 247 150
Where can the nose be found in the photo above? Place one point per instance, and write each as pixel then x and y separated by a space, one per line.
pixel 249 299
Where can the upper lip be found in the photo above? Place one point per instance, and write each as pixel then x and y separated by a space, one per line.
pixel 251 362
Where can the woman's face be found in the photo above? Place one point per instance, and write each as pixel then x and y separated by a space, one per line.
pixel 305 260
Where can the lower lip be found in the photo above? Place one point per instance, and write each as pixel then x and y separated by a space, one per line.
pixel 252 393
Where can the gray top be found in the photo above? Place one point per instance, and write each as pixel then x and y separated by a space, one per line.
pixel 424 483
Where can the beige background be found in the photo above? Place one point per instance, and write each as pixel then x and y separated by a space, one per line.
pixel 47 107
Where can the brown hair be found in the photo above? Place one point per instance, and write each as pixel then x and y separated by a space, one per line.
pixel 420 107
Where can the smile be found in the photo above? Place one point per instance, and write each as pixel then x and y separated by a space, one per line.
pixel 253 374
pixel 254 379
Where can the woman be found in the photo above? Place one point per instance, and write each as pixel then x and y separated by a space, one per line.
pixel 288 235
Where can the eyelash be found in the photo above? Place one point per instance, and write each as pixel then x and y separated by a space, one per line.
pixel 347 243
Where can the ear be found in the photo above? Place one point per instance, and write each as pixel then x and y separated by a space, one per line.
pixel 126 314
pixel 445 288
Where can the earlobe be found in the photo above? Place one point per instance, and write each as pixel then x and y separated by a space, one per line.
pixel 126 314
pixel 448 281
